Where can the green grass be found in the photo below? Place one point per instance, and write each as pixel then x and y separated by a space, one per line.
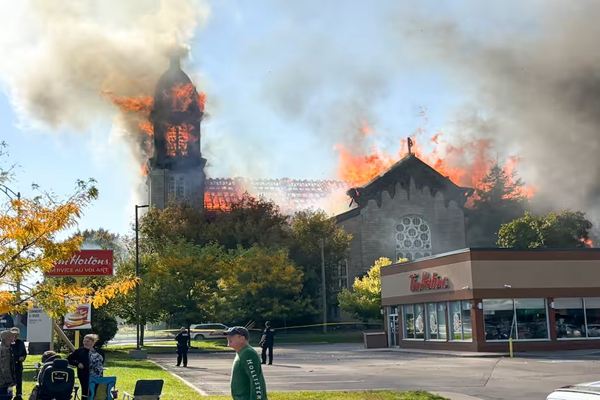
pixel 368 395
pixel 128 372
pixel 169 346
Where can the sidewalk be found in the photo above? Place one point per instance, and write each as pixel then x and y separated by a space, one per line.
pixel 451 353
pixel 566 354
pixel 456 396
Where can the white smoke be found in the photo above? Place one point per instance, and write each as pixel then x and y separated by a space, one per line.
pixel 60 55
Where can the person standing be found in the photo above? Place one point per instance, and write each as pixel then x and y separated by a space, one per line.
pixel 247 380
pixel 89 362
pixel 183 345
pixel 7 364
pixel 266 342
pixel 19 354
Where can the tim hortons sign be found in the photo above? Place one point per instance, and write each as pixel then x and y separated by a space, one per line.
pixel 85 263
pixel 428 282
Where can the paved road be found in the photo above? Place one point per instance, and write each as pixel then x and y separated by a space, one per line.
pixel 348 367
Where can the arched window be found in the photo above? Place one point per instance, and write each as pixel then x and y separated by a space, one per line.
pixel 181 188
pixel 172 185
pixel 413 238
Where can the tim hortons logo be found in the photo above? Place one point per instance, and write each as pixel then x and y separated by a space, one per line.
pixel 428 282
pixel 78 260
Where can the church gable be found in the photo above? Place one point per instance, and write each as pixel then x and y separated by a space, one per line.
pixel 407 170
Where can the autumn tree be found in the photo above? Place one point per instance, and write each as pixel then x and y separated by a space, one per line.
pixel 309 228
pixel 261 284
pixel 556 230
pixel 364 301
pixel 29 245
pixel 499 198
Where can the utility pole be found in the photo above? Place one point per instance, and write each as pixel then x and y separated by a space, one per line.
pixel 324 286
pixel 137 275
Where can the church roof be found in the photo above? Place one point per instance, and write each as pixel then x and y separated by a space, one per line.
pixel 409 168
pixel 292 194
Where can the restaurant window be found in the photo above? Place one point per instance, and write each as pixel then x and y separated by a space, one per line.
pixel 460 320
pixel 408 321
pixel 532 319
pixel 592 316
pixel 570 318
pixel 436 320
pixel 419 321
pixel 521 319
pixel 432 328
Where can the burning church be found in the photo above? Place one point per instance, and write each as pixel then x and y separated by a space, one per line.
pixel 409 211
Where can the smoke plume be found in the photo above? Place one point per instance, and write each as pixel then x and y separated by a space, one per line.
pixel 59 56
pixel 541 87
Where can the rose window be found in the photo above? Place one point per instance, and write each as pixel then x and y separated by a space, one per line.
pixel 413 238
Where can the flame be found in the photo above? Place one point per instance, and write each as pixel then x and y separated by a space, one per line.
pixel 465 165
pixel 144 170
pixel 180 97
pixel 588 243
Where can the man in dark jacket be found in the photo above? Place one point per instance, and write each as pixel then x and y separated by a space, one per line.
pixel 7 364
pixel 19 355
pixel 183 344
pixel 267 341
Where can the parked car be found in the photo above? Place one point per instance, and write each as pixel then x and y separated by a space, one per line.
pixel 581 391
pixel 207 331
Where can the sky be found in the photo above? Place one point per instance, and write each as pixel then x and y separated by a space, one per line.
pixel 285 82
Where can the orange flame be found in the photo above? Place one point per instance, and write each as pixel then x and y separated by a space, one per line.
pixel 588 243
pixel 465 165
pixel 181 97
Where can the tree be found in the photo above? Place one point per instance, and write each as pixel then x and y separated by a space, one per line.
pixel 364 301
pixel 261 284
pixel 500 198
pixel 556 230
pixel 29 246
pixel 187 277
pixel 308 228
pixel 252 221
pixel 151 307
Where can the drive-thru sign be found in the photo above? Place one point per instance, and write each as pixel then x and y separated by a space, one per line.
pixel 85 263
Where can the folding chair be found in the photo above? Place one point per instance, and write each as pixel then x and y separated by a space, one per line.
pixel 146 390
pixel 101 387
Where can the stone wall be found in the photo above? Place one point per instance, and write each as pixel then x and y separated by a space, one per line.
pixel 374 230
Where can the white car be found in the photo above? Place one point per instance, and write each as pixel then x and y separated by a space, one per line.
pixel 207 331
pixel 581 391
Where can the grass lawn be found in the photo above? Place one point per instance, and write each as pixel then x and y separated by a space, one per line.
pixel 128 372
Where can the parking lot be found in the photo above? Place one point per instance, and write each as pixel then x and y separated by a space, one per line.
pixel 349 367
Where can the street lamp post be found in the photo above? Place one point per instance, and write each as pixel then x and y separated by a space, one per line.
pixel 137 275
pixel 324 288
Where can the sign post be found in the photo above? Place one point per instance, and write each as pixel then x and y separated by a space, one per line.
pixel 81 264
pixel 39 330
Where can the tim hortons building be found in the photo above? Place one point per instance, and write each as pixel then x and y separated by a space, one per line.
pixel 410 211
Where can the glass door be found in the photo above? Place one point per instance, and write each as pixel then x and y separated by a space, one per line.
pixel 393 327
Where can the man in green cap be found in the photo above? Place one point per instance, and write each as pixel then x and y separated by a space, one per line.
pixel 247 380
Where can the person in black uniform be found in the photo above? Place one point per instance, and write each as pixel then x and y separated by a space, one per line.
pixel 267 341
pixel 19 355
pixel 183 344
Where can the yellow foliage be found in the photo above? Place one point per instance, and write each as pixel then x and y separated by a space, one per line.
pixel 29 248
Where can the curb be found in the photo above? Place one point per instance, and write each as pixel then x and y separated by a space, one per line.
pixel 199 391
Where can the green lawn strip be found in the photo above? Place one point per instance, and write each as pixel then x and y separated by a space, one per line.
pixel 367 395
pixel 128 372
pixel 170 346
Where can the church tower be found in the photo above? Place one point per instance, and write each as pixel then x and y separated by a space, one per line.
pixel 176 169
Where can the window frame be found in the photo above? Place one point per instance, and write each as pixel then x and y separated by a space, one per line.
pixel 516 330
pixel 449 320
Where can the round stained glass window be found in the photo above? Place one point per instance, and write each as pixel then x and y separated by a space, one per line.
pixel 412 237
